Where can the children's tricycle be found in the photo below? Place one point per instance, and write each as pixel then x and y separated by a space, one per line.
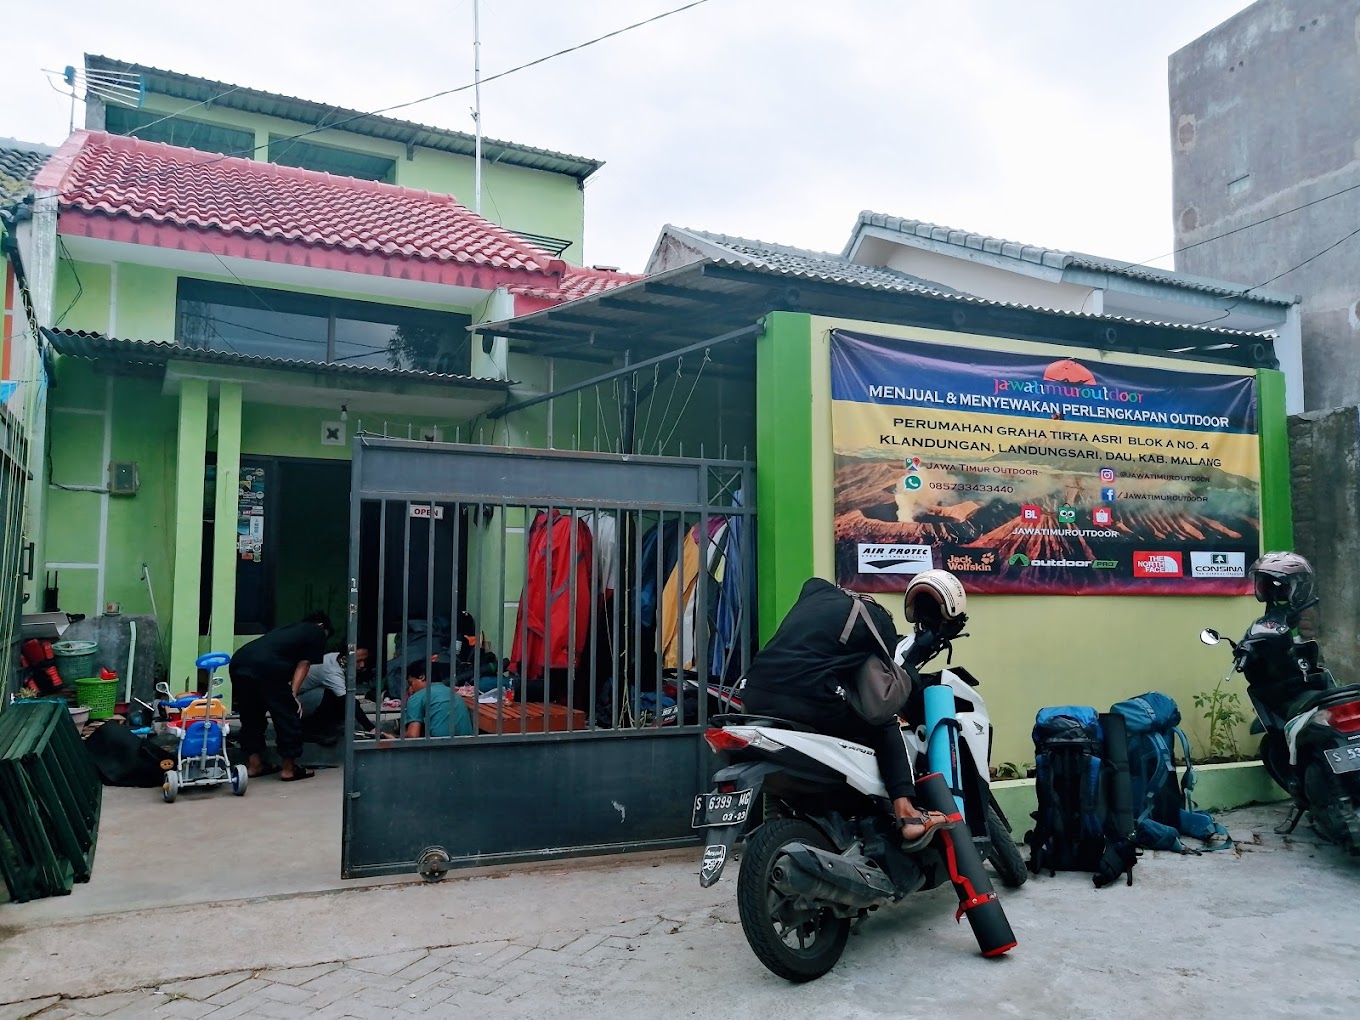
pixel 201 759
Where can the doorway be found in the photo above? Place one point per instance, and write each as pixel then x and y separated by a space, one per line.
pixel 292 542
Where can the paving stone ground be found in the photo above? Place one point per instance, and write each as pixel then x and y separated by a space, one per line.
pixel 484 979
pixel 1263 931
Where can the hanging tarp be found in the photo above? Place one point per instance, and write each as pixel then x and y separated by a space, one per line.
pixel 547 633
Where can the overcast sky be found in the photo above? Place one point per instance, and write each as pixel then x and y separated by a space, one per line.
pixel 1044 121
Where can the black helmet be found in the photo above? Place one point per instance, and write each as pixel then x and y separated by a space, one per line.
pixel 1284 579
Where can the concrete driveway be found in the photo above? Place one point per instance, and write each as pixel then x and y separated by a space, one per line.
pixel 1269 931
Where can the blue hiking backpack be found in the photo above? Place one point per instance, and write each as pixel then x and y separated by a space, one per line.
pixel 1080 787
pixel 1164 808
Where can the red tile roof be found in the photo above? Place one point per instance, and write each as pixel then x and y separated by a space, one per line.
pixel 105 177
pixel 576 283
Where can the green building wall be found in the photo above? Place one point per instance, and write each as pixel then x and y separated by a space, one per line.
pixel 1028 651
pixel 514 197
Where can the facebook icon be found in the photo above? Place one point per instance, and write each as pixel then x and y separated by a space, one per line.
pixel 1107 495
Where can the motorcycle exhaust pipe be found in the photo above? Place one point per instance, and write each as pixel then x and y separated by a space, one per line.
pixel 977 898
pixel 814 874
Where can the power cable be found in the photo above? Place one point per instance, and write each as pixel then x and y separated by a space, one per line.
pixel 1245 226
pixel 1247 293
pixel 180 113
pixel 170 171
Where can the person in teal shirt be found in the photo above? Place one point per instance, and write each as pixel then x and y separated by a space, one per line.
pixel 432 710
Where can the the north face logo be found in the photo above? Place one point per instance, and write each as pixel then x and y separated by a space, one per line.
pixel 1157 564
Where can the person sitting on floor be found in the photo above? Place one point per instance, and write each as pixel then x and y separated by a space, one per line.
pixel 432 710
pixel 322 697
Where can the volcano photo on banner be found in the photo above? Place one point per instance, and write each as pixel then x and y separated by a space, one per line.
pixel 1040 474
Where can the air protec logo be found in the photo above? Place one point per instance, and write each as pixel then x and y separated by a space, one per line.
pixel 894 558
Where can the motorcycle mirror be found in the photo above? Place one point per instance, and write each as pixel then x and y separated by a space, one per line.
pixel 1209 637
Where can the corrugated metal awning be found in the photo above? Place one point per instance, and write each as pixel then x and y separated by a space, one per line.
pixel 714 297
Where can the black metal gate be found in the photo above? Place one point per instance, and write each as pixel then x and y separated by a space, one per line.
pixel 592 609
pixel 13 550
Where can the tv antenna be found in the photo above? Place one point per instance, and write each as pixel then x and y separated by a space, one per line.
pixel 477 100
pixel 124 88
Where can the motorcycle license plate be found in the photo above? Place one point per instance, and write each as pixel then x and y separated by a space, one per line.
pixel 1344 759
pixel 722 808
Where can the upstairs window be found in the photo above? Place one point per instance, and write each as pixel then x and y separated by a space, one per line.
pixel 308 154
pixel 192 134
pixel 264 323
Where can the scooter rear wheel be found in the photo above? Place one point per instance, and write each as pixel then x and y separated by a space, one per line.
pixel 798 946
pixel 1002 853
pixel 1335 821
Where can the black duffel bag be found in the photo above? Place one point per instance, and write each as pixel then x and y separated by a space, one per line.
pixel 123 758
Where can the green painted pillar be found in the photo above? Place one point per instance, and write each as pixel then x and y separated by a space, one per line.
pixel 1277 513
pixel 190 461
pixel 224 516
pixel 794 468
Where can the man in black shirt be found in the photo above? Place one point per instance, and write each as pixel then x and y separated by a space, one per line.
pixel 266 675
pixel 800 675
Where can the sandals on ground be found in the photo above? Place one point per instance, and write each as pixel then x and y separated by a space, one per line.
pixel 299 773
pixel 934 823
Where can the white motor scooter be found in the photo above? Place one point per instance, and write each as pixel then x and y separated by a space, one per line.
pixel 829 849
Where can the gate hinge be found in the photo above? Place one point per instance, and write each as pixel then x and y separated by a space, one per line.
pixel 354 795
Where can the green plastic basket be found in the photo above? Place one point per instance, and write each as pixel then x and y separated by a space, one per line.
pixel 99 696
pixel 75 659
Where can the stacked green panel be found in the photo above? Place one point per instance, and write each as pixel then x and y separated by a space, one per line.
pixel 50 796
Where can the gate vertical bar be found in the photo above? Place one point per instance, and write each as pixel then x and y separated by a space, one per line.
pixel 596 586
pixel 573 553
pixel 500 619
pixel 547 616
pixel 351 642
pixel 380 638
pixel 429 607
pixel 523 614
pixel 405 650
pixel 456 591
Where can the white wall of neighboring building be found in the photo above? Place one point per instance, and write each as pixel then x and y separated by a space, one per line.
pixel 958 272
pixel 1041 286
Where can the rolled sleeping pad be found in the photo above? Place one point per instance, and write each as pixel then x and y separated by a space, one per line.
pixel 1119 793
pixel 942 737
pixel 977 898
pixel 1112 727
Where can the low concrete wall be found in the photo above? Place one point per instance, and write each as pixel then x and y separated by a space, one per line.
pixel 1217 788
pixel 1324 454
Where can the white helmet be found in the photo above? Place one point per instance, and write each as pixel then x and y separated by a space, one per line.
pixel 943 589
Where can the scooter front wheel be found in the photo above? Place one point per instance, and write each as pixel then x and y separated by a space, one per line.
pixel 798 945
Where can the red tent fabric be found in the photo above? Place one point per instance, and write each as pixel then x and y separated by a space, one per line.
pixel 544 635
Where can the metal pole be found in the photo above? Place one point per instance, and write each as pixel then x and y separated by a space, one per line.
pixel 628 412
pixel 477 94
